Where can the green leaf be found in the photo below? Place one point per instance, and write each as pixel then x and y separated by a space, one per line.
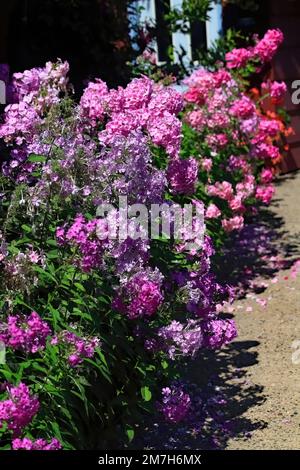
pixel 53 254
pixel 56 431
pixel 45 273
pixel 79 286
pixel 26 228
pixel 36 158
pixel 130 434
pixel 22 241
pixel 2 353
pixel 146 393
pixel 51 242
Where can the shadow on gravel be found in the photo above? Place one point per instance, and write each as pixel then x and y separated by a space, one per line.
pixel 221 392
pixel 261 250
pixel 230 368
pixel 286 177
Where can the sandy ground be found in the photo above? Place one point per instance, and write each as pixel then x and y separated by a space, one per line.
pixel 265 341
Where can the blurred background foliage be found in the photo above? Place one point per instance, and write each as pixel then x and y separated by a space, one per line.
pixel 103 38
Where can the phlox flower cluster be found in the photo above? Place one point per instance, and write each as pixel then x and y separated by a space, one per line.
pixel 263 51
pixel 28 334
pixel 234 223
pixel 92 101
pixel 142 105
pixel 212 212
pixel 238 58
pixel 218 332
pixel 175 404
pixel 199 290
pixel 78 347
pixel 277 90
pixel 20 123
pixel 127 169
pixel 82 235
pixel 201 296
pixel 141 296
pixel 266 176
pixel 224 117
pixel 124 170
pixel 190 235
pixel 38 444
pixel 184 340
pixel 41 85
pixel 35 91
pixel 266 48
pixel 18 409
pixel 265 193
pixel 18 269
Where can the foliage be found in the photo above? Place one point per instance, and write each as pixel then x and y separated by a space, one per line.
pixel 216 52
pixel 180 19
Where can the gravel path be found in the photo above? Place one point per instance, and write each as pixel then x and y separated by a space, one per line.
pixel 268 335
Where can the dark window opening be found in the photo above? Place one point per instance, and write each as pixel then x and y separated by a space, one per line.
pixel 164 37
pixel 198 38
